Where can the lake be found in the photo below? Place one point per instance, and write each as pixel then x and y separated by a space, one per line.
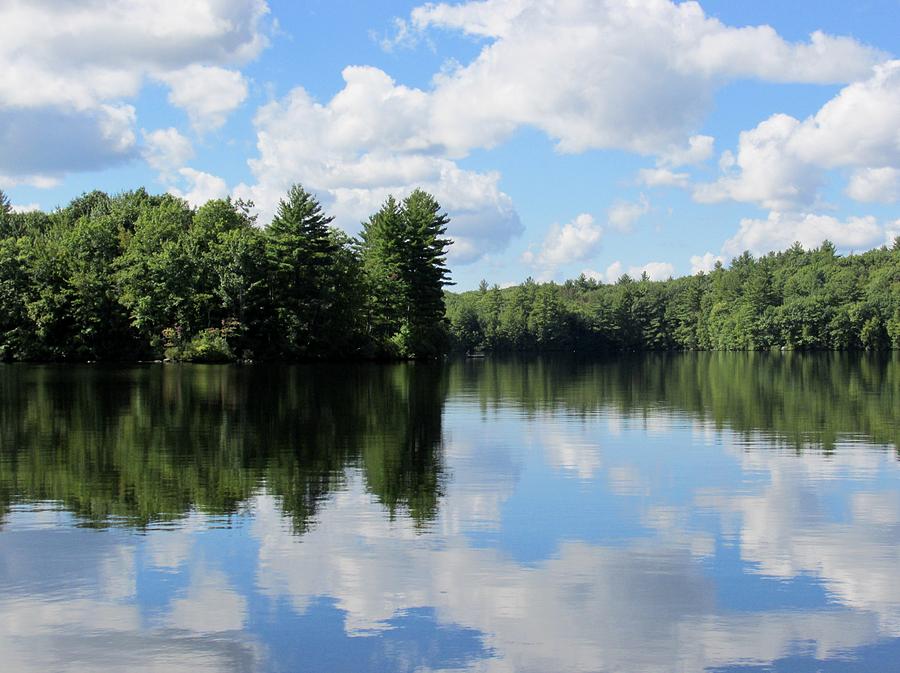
pixel 690 512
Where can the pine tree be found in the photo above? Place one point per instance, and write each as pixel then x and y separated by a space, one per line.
pixel 403 253
pixel 300 251
pixel 425 267
pixel 5 213
pixel 381 252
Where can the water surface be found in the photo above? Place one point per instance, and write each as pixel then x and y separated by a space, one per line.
pixel 720 512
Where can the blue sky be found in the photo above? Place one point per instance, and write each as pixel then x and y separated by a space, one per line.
pixel 562 137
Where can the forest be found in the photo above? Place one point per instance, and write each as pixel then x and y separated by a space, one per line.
pixel 792 300
pixel 137 276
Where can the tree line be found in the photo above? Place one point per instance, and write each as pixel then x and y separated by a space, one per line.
pixel 140 276
pixel 793 300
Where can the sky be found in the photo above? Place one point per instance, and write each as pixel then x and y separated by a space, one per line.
pixel 561 136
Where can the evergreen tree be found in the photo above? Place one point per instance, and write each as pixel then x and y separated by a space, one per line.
pixel 403 253
pixel 301 251
pixel 382 241
pixel 5 213
pixel 424 265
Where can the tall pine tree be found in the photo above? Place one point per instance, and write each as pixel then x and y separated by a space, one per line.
pixel 403 253
pixel 381 250
pixel 301 253
pixel 5 213
pixel 425 265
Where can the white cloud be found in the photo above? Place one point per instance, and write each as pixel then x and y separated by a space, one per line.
pixel 402 37
pixel 781 230
pixel 166 150
pixel 571 242
pixel 612 74
pixel 623 214
pixel 698 150
pixel 892 231
pixel 66 70
pixel 875 184
pixel 763 172
pixel 32 180
pixel 371 140
pixel 662 177
pixel 26 207
pixel 654 270
pixel 201 187
pixel 705 263
pixel 74 54
pixel 208 94
pixel 781 163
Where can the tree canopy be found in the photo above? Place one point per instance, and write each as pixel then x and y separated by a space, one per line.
pixel 793 300
pixel 136 276
pixel 142 276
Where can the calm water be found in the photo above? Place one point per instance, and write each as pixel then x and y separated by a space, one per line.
pixel 680 513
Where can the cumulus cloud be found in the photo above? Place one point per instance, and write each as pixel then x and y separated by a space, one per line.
pixel 875 184
pixel 623 214
pixel 781 230
pixel 201 187
pixel 370 140
pixel 705 263
pixel 698 150
pixel 781 163
pixel 571 242
pixel 66 70
pixel 32 180
pixel 208 94
pixel 763 172
pixel 654 271
pixel 892 232
pixel 611 74
pixel 662 177
pixel 166 150
pixel 25 207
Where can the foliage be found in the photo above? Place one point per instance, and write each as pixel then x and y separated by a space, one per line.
pixel 792 300
pixel 141 276
pixel 403 258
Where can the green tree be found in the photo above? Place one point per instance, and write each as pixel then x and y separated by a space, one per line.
pixel 381 250
pixel 5 214
pixel 425 268
pixel 156 272
pixel 404 258
pixel 300 250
